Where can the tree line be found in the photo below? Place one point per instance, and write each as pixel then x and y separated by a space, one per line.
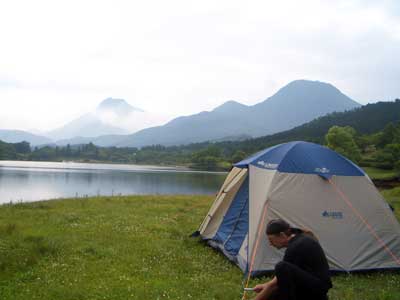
pixel 380 149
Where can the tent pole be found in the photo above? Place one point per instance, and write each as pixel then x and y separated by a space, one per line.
pixel 253 256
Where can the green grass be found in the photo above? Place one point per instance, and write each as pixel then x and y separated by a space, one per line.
pixel 375 173
pixel 393 197
pixel 134 247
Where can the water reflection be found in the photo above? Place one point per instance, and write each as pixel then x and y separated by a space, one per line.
pixel 44 181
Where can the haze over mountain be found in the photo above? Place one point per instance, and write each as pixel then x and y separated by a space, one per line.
pixel 112 117
pixel 16 136
pixel 108 125
pixel 116 106
pixel 296 103
pixel 87 125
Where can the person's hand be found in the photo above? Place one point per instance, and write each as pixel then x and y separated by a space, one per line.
pixel 259 287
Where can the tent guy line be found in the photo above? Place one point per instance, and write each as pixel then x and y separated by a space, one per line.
pixel 359 215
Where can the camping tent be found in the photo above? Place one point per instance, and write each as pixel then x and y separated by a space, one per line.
pixel 312 187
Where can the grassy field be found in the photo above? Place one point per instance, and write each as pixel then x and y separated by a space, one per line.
pixel 134 247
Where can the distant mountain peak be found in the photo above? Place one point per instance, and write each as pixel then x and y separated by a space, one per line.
pixel 117 105
pixel 229 106
pixel 305 83
pixel 113 116
pixel 313 93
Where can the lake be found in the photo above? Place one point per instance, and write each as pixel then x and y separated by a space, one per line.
pixel 22 181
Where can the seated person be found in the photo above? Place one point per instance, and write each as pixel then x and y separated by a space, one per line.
pixel 303 273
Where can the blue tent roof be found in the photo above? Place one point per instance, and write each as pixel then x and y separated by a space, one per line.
pixel 303 157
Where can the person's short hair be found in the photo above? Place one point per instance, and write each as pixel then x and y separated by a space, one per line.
pixel 277 226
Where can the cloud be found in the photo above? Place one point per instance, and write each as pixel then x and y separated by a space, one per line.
pixel 182 57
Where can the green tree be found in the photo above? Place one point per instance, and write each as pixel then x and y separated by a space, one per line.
pixel 207 158
pixel 388 157
pixel 342 140
pixel 46 153
pixel 68 151
pixel 389 134
pixel 397 167
pixel 238 156
pixel 7 151
pixel 22 147
pixel 383 159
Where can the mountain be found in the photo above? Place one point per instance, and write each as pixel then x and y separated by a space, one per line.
pixel 112 116
pixel 16 136
pixel 117 106
pixel 87 125
pixel 296 103
pixel 367 119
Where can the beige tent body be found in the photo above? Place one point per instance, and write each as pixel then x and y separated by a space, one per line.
pixel 336 200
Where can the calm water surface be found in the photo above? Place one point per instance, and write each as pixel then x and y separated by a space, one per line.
pixel 32 181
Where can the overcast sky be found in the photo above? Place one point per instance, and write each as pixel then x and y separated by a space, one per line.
pixel 59 59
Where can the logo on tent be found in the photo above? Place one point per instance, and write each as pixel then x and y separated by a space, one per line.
pixel 333 214
pixel 322 170
pixel 267 165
